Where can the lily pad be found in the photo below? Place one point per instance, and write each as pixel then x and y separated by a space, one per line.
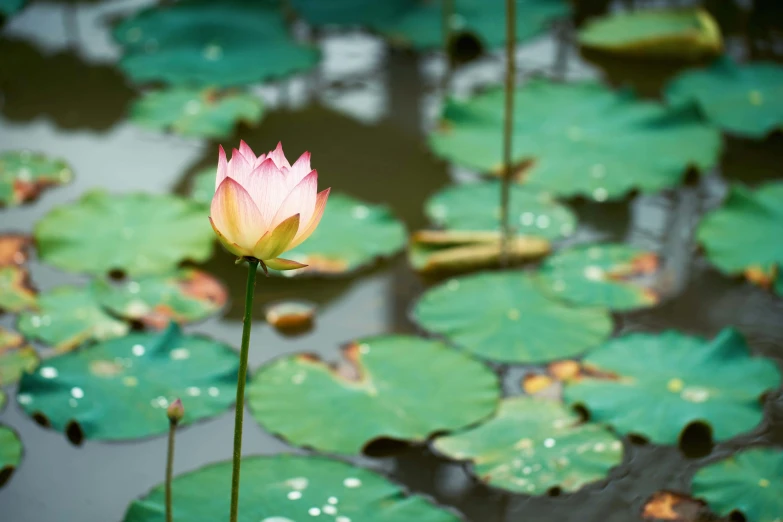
pixel 740 99
pixel 183 296
pixel 9 7
pixel 534 445
pixel 503 316
pixel 16 294
pixel 196 112
pixel 10 453
pixel 15 359
pixel 657 385
pixel 665 33
pixel 594 141
pixel 737 235
pixel 14 249
pixel 120 389
pixel 24 175
pixel 476 207
pixel 69 316
pixel 601 275
pixel 285 488
pixel 202 186
pixel 352 234
pixel 350 12
pixel 375 394
pixel 139 234
pixel 748 482
pixel 202 43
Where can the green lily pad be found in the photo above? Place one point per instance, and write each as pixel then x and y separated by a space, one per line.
pixel 669 33
pixel 15 359
pixel 287 488
pixel 376 393
pixel 741 99
pixel 656 385
pixel 16 294
pixel 533 445
pixel 504 316
pixel 737 235
pixel 14 249
pixel 24 175
pixel 350 12
pixel 139 234
pixel 352 234
pixel 69 316
pixel 476 207
pixel 9 7
pixel 120 389
pixel 601 275
pixel 10 453
pixel 202 186
pixel 204 44
pixel 750 482
pixel 594 141
pixel 183 296
pixel 196 112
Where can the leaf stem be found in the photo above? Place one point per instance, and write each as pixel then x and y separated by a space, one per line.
pixel 508 123
pixel 447 12
pixel 170 469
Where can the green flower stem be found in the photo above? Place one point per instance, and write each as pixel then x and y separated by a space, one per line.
pixel 170 469
pixel 507 127
pixel 252 268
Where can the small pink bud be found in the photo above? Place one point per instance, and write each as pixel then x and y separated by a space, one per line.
pixel 175 411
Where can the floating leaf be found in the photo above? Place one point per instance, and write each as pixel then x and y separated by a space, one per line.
pixel 16 294
pixel 183 296
pixel 503 316
pixel 666 33
pixel 350 12
pixel 120 389
pixel 9 7
pixel 15 359
pixel 291 316
pixel 139 234
pixel 351 235
pixel 476 207
pixel 14 249
pixel 24 175
pixel 202 186
pixel 69 316
pixel 285 488
pixel 741 99
pixel 595 142
pixel 601 275
pixel 656 385
pixel 378 392
pixel 201 43
pixel 533 445
pixel 737 235
pixel 666 505
pixel 748 482
pixel 196 112
pixel 10 453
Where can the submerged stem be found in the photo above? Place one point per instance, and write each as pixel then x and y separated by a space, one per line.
pixel 252 269
pixel 447 11
pixel 508 122
pixel 170 469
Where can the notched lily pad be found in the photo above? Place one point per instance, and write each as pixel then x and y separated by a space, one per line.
pixel 291 317
pixel 663 383
pixel 69 316
pixel 10 453
pixel 139 234
pixel 120 389
pixel 196 112
pixel 504 316
pixel 16 292
pixel 15 359
pixel 613 275
pixel 14 249
pixel 375 393
pixel 184 296
pixel 535 445
pixel 286 488
pixel 24 175
pixel 667 505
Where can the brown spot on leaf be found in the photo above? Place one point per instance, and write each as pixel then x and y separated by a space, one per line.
pixel 760 276
pixel 203 287
pixel 105 368
pixel 291 317
pixel 323 265
pixel 565 370
pixel 647 263
pixel 14 249
pixel 535 383
pixel 666 505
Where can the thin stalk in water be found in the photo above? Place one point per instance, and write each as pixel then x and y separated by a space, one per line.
pixel 508 124
pixel 447 12
pixel 175 412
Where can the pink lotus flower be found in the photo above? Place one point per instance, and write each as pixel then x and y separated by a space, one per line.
pixel 264 206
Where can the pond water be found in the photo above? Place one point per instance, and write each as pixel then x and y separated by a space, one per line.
pixel 362 115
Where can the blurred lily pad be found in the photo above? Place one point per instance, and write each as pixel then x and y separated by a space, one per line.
pixel 201 43
pixel 202 186
pixel 352 234
pixel 120 389
pixel 24 175
pixel 608 275
pixel 748 482
pixel 504 316
pixel 284 488
pixel 139 234
pixel 183 296
pixel 595 142
pixel 737 235
pixel 533 445
pixel 740 99
pixel 10 453
pixel 14 249
pixel 350 12
pixel 664 33
pixel 9 7
pixel 291 316
pixel 376 393
pixel 15 359
pixel 69 316
pixel 203 113
pixel 16 294
pixel 656 385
